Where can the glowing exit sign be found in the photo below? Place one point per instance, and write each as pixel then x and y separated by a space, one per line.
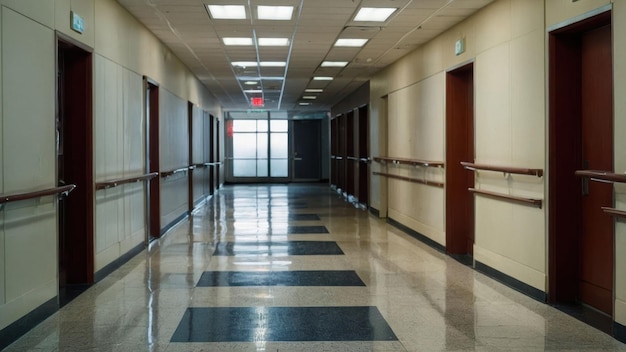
pixel 76 22
pixel 257 101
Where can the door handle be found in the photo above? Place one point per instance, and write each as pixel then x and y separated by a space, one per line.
pixel 297 159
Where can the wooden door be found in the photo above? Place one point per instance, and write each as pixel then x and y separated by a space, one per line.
pixel 350 154
pixel 581 249
pixel 363 154
pixel 75 164
pixel 154 185
pixel 596 241
pixel 459 147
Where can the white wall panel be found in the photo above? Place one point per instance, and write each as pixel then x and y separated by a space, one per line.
pixel 28 86
pixel 37 10
pixel 119 150
pixel 28 237
pixel 174 197
pixel 134 134
pixel 493 106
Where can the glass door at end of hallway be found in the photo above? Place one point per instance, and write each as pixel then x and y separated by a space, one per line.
pixel 258 150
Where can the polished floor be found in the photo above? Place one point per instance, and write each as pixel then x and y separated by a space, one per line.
pixel 296 268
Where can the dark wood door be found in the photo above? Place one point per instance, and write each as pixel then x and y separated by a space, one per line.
pixel 581 137
pixel 154 187
pixel 350 155
pixel 363 191
pixel 307 151
pixel 596 242
pixel 75 165
pixel 334 151
pixel 459 147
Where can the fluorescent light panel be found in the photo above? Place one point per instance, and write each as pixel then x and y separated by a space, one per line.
pixel 227 12
pixel 273 41
pixel 309 97
pixel 245 63
pixel 237 41
pixel 318 78
pixel 356 43
pixel 276 13
pixel 262 63
pixel 305 104
pixel 314 90
pixel 334 63
pixel 374 14
pixel 273 64
pixel 253 91
pixel 251 83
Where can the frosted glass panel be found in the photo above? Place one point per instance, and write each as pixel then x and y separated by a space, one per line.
pixel 261 126
pixel 244 168
pixel 261 146
pixel 244 145
pixel 261 168
pixel 279 125
pixel 244 125
pixel 279 168
pixel 279 147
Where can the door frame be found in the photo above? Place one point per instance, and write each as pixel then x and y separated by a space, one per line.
pixel 563 252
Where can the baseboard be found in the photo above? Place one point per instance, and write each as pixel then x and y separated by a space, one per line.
pixel 619 332
pixel 26 323
pixel 511 282
pixel 114 265
pixel 417 235
pixel 375 212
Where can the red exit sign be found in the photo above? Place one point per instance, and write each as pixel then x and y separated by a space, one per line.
pixel 257 102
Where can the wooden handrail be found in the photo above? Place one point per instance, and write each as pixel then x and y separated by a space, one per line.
pixel 165 174
pixel 353 158
pixel 412 162
pixel 614 212
pixel 123 181
pixel 602 176
pixel 410 179
pixel 504 169
pixel 14 197
pixel 526 201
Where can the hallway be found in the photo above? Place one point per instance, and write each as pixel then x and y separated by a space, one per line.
pixel 296 268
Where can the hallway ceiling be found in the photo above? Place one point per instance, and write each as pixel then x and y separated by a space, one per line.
pixel 189 30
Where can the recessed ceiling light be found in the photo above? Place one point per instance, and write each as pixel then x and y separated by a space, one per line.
pixel 273 64
pixel 374 14
pixel 253 91
pixel 273 41
pixel 334 63
pixel 318 78
pixel 245 63
pixel 237 41
pixel 227 12
pixel 309 97
pixel 313 90
pixel 357 43
pixel 251 83
pixel 305 104
pixel 277 13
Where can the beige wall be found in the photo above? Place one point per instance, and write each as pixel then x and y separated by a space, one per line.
pixel 506 41
pixel 123 51
pixel 28 259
